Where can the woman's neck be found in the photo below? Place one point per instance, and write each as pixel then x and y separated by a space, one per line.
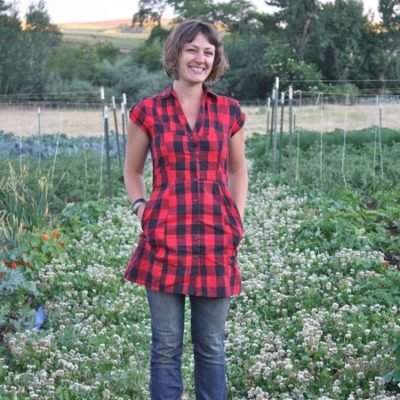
pixel 187 92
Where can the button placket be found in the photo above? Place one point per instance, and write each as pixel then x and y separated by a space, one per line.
pixel 194 157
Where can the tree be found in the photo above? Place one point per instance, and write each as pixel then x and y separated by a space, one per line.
pixel 40 39
pixel 107 51
pixel 236 16
pixel 70 63
pixel 390 12
pixel 280 60
pixel 246 78
pixel 297 17
pixel 233 16
pixel 149 56
pixel 337 40
pixel 24 51
pixel 150 11
pixel 11 72
pixel 387 35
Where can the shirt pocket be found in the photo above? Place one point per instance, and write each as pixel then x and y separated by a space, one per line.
pixel 155 216
pixel 232 211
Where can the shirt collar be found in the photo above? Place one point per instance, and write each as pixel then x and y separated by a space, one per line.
pixel 171 92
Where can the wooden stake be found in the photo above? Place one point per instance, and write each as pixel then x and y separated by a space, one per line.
pixel 275 133
pixel 268 122
pixel 116 133
pixel 108 155
pixel 281 131
pixel 290 149
pixel 123 127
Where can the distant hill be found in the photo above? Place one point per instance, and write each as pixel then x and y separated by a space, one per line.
pixel 119 32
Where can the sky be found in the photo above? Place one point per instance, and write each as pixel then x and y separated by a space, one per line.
pixel 62 11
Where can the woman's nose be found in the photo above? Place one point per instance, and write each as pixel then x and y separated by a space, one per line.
pixel 199 56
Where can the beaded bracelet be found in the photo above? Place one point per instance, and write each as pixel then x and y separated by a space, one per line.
pixel 137 203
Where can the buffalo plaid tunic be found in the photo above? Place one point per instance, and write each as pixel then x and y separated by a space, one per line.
pixel 191 227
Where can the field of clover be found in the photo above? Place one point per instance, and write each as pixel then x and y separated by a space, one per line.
pixel 318 318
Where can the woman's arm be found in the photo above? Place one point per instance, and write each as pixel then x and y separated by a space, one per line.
pixel 136 151
pixel 237 171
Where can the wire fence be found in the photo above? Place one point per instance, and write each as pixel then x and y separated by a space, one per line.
pixel 284 117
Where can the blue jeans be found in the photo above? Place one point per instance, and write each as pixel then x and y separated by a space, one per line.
pixel 208 333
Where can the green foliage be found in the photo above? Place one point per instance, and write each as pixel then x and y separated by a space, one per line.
pixel 280 60
pixel 246 77
pixel 23 206
pixel 107 51
pixel 157 34
pixel 347 224
pixel 82 89
pixel 304 41
pixel 12 281
pixel 137 82
pixel 70 63
pixel 330 315
pixel 149 56
pixel 336 42
pixel 363 208
pixel 357 139
pixel 298 16
pixel 392 377
pixel 24 51
pixel 16 292
pixel 75 216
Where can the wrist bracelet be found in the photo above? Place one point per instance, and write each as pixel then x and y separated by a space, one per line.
pixel 137 203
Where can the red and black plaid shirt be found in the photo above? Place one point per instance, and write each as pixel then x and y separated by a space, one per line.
pixel 191 227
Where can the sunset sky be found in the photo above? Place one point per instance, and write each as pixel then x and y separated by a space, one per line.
pixel 100 10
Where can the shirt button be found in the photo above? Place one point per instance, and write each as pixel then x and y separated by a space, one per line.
pixel 195 199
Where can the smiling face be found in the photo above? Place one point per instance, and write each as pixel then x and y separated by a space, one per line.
pixel 196 60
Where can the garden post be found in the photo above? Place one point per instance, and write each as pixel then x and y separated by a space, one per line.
pixel 116 133
pixel 281 131
pixel 345 139
pixel 103 103
pixel 268 120
pixel 40 138
pixel 321 136
pixel 275 122
pixel 290 149
pixel 125 116
pixel 380 135
pixel 108 157
pixel 123 127
pixel 272 119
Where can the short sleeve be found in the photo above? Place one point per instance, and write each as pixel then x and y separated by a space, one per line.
pixel 139 115
pixel 238 116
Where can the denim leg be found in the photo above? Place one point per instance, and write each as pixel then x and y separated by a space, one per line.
pixel 167 322
pixel 208 334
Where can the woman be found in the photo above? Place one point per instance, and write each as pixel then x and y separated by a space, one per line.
pixel 192 223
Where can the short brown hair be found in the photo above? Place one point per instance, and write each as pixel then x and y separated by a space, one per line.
pixel 185 33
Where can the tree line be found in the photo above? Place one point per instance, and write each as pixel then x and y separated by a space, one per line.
pixel 316 47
